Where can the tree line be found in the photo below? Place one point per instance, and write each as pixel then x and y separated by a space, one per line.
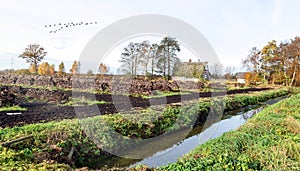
pixel 34 54
pixel 275 63
pixel 150 59
pixel 137 59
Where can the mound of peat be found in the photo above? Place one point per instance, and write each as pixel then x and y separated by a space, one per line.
pixel 115 103
pixel 6 98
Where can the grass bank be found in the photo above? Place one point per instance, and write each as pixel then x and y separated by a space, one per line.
pixel 12 108
pixel 52 142
pixel 268 141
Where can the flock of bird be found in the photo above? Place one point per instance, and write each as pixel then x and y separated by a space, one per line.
pixel 60 26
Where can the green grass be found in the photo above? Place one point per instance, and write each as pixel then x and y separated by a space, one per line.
pixel 12 108
pixel 208 89
pixel 268 141
pixel 55 139
pixel 83 102
pixel 165 93
pixel 238 88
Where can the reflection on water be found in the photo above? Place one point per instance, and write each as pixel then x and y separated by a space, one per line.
pixel 231 121
pixel 170 155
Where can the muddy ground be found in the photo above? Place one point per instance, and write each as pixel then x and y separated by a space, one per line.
pixel 48 111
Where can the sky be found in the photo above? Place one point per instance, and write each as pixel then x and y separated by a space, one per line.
pixel 232 27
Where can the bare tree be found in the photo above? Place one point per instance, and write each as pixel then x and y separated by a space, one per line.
pixel 137 57
pixel 130 59
pixel 154 54
pixel 229 71
pixel 254 60
pixel 216 70
pixel 145 52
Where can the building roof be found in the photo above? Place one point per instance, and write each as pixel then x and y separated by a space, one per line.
pixel 240 75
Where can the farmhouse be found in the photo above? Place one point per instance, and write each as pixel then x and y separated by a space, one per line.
pixel 191 71
pixel 241 77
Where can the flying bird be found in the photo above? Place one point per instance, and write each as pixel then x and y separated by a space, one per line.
pixel 60 26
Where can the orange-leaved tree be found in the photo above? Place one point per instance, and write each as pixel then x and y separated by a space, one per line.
pixel 44 69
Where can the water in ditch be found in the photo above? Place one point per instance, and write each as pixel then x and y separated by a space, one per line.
pixel 166 153
pixel 231 121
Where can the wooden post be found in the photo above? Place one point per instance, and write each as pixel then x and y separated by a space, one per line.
pixel 71 153
pixel 7 144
